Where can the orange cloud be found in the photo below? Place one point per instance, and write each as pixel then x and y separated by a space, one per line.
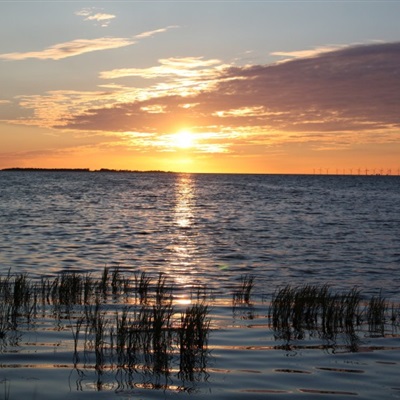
pixel 70 49
pixel 330 100
pixel 185 67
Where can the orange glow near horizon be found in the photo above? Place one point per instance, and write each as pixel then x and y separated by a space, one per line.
pixel 186 160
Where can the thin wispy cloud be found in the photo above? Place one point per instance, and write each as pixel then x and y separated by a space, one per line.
pixel 94 14
pixel 155 32
pixel 291 55
pixel 180 76
pixel 170 67
pixel 56 106
pixel 70 49
pixel 80 46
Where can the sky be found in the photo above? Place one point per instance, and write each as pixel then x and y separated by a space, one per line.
pixel 201 86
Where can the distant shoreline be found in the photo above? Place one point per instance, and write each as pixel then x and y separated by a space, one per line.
pixel 81 170
pixel 105 170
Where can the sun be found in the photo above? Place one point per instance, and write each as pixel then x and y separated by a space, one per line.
pixel 183 139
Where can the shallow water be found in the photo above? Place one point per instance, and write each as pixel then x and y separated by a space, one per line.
pixel 245 359
pixel 209 230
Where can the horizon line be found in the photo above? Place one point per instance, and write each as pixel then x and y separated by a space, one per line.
pixel 112 170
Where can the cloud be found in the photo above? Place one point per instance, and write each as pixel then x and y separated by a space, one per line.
pixel 307 53
pixel 91 14
pixel 56 106
pixel 341 90
pixel 354 88
pixel 182 67
pixel 180 76
pixel 336 98
pixel 155 32
pixel 71 49
pixel 79 46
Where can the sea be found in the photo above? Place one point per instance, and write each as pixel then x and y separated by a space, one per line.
pixel 210 231
pixel 208 228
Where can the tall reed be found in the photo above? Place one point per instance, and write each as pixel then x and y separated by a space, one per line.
pixel 376 313
pixel 313 308
pixel 142 283
pixel 243 293
pixel 193 339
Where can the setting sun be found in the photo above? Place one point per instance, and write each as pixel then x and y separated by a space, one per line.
pixel 183 139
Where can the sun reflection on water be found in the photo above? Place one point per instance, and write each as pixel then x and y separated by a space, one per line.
pixel 184 201
pixel 183 247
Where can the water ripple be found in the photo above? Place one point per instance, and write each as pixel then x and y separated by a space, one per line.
pixel 340 230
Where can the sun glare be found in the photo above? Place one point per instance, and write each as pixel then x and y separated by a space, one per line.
pixel 183 139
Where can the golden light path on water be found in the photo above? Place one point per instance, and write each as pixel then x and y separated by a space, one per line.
pixel 184 270
pixel 185 198
pixel 183 245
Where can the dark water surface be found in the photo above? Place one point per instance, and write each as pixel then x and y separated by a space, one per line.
pixel 208 230
pixel 344 230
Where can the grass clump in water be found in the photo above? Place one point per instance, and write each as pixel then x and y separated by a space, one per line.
pixel 146 335
pixel 318 310
pixel 142 285
pixel 243 293
pixel 193 339
pixel 376 313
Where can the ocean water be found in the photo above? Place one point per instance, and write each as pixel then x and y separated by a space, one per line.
pixel 209 231
pixel 342 230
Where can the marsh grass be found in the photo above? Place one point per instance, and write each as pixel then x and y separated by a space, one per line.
pixel 17 302
pixel 243 293
pixel 131 324
pixel 144 337
pixel 193 340
pixel 163 291
pixel 317 310
pixel 147 334
pixel 142 284
pixel 376 314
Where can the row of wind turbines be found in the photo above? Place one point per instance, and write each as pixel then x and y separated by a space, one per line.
pixel 358 171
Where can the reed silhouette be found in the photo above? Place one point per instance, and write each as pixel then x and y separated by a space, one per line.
pixel 318 311
pixel 148 334
pixel 132 325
